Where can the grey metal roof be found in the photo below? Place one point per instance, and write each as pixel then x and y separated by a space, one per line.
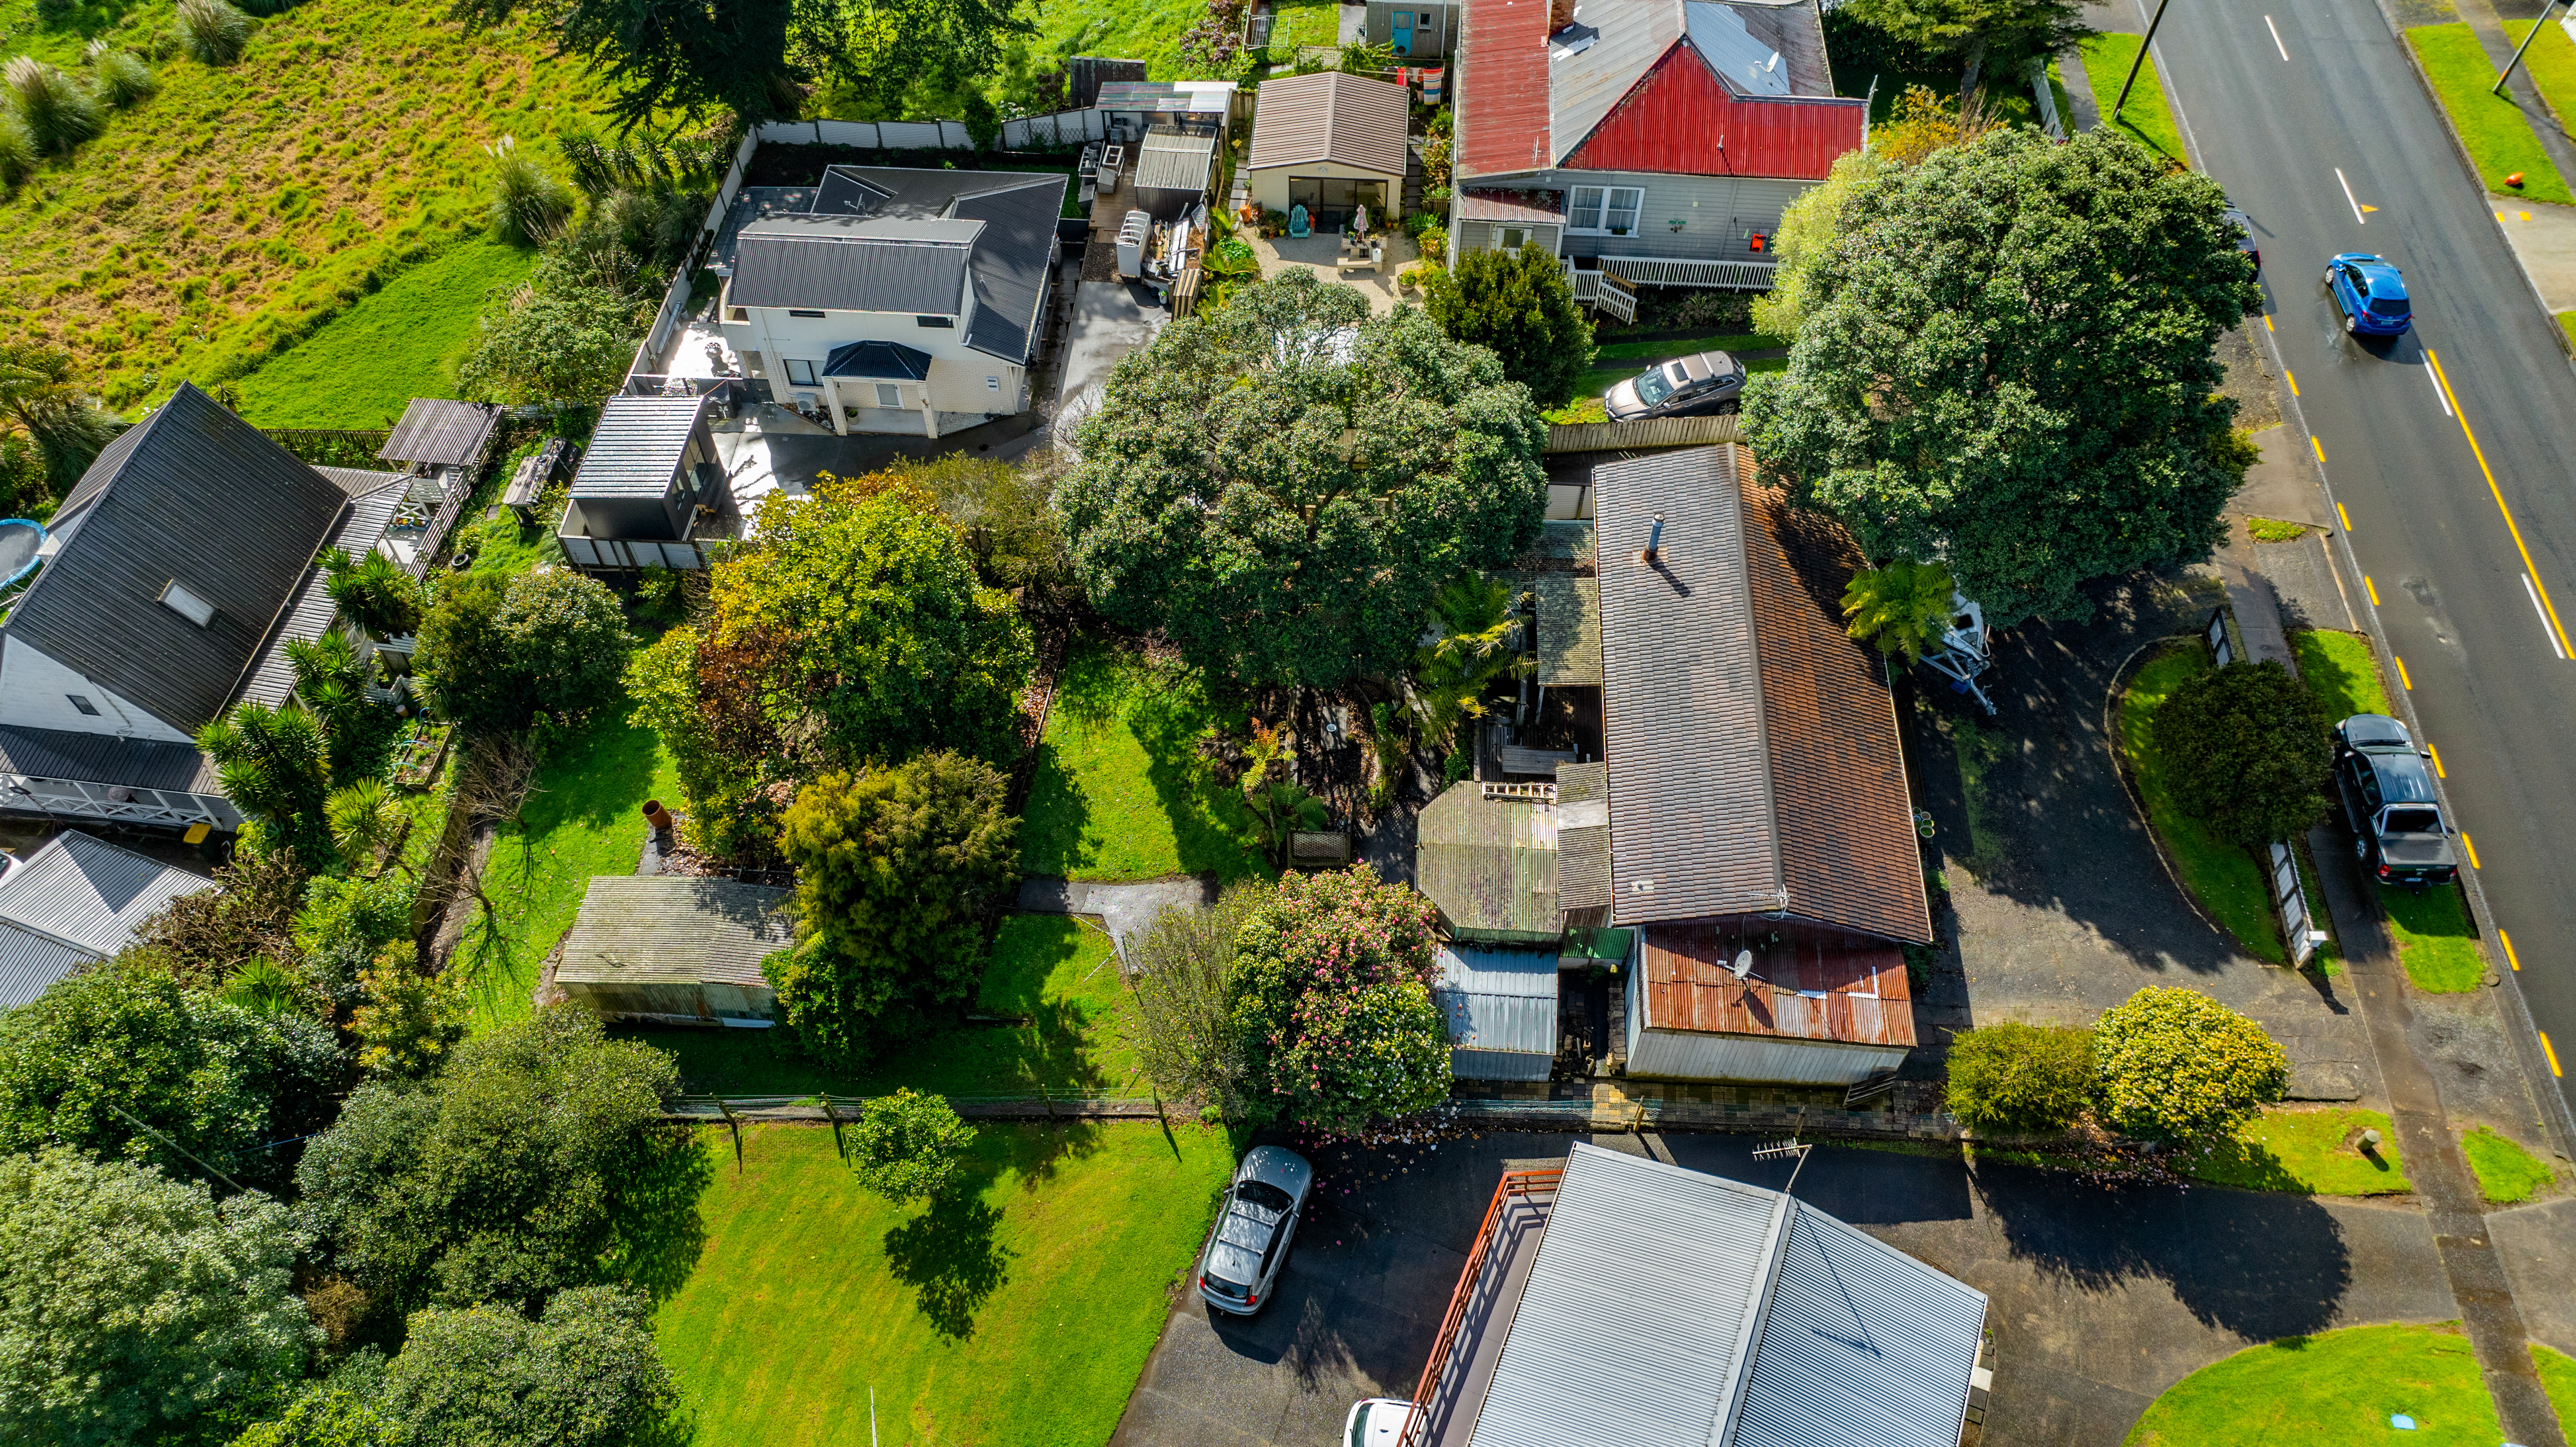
pixel 667 928
pixel 1583 836
pixel 887 360
pixel 1173 160
pixel 851 264
pixel 30 963
pixel 636 449
pixel 1862 1344
pixel 1005 258
pixel 1011 261
pixel 1498 1000
pixel 1668 1308
pixel 105 759
pixel 435 430
pixel 89 893
pixel 195 495
pixel 1638 1318
pixel 1747 62
pixel 1692 830
pixel 309 615
pixel 1755 47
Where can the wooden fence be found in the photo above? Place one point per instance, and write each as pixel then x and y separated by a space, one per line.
pixel 1656 432
pixel 735 1111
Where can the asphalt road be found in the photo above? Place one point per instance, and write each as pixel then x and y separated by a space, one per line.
pixel 2305 133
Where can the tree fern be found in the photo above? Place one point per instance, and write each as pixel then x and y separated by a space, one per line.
pixel 1901 608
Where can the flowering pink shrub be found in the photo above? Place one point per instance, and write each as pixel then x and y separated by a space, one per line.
pixel 1332 1000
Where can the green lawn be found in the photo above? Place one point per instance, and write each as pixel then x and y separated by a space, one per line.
pixel 2339 669
pixel 2334 1389
pixel 1642 353
pixel 1121 791
pixel 584 818
pixel 2435 941
pixel 2493 128
pixel 1022 1315
pixel 1300 22
pixel 2558 1379
pixel 1053 970
pixel 2223 877
pixel 2146 116
pixel 2311 1152
pixel 2551 60
pixel 2273 530
pixel 404 341
pixel 2506 1172
pixel 215 225
pixel 1146 30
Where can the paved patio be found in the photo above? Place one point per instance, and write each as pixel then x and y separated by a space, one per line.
pixel 1318 253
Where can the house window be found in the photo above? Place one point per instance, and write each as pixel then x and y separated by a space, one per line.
pixel 186 604
pixel 84 705
pixel 889 395
pixel 1604 208
pixel 934 321
pixel 800 374
pixel 793 312
pixel 737 314
pixel 1511 238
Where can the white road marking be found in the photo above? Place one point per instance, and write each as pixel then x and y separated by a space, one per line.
pixel 2437 393
pixel 2276 37
pixel 2347 196
pixel 2534 595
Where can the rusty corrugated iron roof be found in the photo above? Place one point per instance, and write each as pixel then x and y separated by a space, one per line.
pixel 1501 125
pixel 1807 982
pixel 1357 120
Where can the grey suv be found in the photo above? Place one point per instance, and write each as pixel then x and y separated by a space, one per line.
pixel 1699 386
pixel 2388 799
pixel 1254 1226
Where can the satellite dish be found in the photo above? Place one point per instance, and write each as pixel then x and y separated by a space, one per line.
pixel 1743 965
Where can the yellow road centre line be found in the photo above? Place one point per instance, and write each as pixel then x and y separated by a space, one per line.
pixel 2373 587
pixel 2471 846
pixel 2461 413
pixel 2509 957
pixel 2293 378
pixel 2551 1051
pixel 2401 668
pixel 2436 751
pixel 2345 516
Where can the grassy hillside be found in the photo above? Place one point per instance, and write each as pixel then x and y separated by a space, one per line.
pixel 222 220
pixel 360 367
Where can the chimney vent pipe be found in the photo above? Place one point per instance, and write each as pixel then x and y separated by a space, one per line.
pixel 1654 543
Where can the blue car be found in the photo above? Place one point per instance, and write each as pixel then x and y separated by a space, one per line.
pixel 2371 293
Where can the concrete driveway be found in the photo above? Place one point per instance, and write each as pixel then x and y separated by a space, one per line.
pixel 2101 1296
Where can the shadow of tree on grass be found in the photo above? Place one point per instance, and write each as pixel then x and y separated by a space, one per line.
pixel 658 1227
pixel 948 1256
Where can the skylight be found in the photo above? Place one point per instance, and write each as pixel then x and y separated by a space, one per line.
pixel 187 605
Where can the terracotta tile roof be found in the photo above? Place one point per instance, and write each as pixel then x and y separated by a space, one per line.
pixel 1357 120
pixel 1810 983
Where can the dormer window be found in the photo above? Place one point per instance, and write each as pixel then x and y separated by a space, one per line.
pixel 179 600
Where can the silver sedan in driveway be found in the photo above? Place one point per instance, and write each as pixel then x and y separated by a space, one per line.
pixel 1254 1225
pixel 1695 386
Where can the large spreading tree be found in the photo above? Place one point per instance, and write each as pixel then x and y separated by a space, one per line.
pixel 1282 484
pixel 2007 361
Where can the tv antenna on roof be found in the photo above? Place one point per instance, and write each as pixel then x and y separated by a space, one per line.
pixel 1774 1150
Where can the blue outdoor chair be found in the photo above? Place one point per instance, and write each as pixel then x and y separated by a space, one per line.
pixel 1297 221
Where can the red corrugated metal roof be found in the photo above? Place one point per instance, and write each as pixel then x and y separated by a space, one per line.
pixel 1811 983
pixel 1502 88
pixel 1674 119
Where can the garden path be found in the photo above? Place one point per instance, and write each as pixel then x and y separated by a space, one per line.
pixel 1124 910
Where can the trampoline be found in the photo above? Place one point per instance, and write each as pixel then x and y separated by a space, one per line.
pixel 19 540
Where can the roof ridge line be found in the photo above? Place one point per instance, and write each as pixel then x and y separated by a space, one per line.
pixel 1784 1215
pixel 1761 696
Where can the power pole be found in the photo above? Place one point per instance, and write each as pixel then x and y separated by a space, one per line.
pixel 2158 19
pixel 2498 88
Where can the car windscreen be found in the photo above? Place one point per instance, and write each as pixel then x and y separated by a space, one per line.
pixel 1264 1195
pixel 2412 821
pixel 2388 306
pixel 1652 387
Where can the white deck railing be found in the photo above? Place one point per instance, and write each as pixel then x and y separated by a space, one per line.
pixel 1691 271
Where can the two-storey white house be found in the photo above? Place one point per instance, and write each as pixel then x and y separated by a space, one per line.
pixel 902 300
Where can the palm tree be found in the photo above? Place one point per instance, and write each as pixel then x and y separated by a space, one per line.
pixel 272 763
pixel 373 593
pixel 1901 608
pixel 39 398
pixel 364 818
pixel 1478 644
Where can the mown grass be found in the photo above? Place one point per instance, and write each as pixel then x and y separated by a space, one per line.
pixel 405 341
pixel 1023 1313
pixel 2222 876
pixel 1146 30
pixel 1053 978
pixel 2273 530
pixel 219 222
pixel 584 817
pixel 1671 347
pixel 2310 1152
pixel 2498 136
pixel 2506 1172
pixel 2146 117
pixel 2341 671
pixel 2334 1389
pixel 2551 60
pixel 2558 1379
pixel 1302 22
pixel 1121 789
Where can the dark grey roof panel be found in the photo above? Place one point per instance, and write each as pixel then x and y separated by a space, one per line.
pixel 888 360
pixel 636 449
pixel 89 893
pixel 850 263
pixel 1011 261
pixel 435 430
pixel 272 679
pixel 192 494
pixel 104 759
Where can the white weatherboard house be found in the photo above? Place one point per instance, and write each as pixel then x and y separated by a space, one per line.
pixel 900 300
pixel 177 570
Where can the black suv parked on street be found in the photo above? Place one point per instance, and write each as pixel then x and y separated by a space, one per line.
pixel 2388 800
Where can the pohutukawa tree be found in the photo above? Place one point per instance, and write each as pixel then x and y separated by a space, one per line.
pixel 2007 361
pixel 1281 485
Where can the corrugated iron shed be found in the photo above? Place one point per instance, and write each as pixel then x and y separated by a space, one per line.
pixel 436 431
pixel 1807 983
pixel 1173 160
pixel 672 929
pixel 1498 1002
pixel 1357 120
pixel 636 449
pixel 84 895
pixel 1669 1308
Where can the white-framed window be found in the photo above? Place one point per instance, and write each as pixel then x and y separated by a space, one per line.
pixel 889 395
pixel 800 374
pixel 1599 209
pixel 1511 238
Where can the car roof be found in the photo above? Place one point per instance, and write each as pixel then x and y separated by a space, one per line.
pixel 2403 779
pixel 1719 362
pixel 1275 1166
pixel 2376 731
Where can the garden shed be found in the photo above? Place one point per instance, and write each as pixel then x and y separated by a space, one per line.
pixel 1330 142
pixel 438 432
pixel 675 950
pixel 650 485
pixel 1485 855
pixel 73 902
pixel 1174 171
pixel 1501 1009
